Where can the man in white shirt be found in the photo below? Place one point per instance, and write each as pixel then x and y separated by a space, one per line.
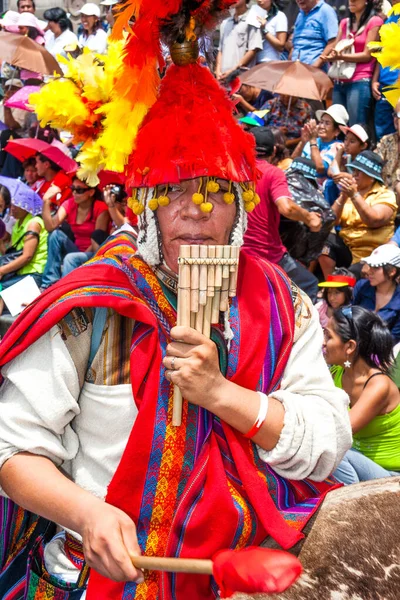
pixel 239 42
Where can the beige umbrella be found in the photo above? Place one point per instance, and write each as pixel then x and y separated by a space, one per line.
pixel 20 51
pixel 290 78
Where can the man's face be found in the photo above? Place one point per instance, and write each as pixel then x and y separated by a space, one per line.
pixel 306 5
pixel 41 167
pixel 240 4
pixel 26 6
pixel 182 221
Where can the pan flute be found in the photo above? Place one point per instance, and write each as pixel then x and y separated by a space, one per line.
pixel 207 279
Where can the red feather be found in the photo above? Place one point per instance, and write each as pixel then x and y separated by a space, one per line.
pixel 190 132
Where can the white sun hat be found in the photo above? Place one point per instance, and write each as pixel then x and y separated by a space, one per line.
pixel 90 9
pixel 388 254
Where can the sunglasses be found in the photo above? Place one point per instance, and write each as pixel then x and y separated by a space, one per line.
pixel 79 190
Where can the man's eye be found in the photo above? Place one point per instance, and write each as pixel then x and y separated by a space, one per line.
pixel 175 189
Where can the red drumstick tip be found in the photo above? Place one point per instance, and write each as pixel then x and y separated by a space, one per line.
pixel 255 570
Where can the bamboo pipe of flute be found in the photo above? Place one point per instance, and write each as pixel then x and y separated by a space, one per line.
pixel 183 318
pixel 173 565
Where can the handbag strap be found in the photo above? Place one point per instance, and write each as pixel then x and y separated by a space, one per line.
pixel 13 248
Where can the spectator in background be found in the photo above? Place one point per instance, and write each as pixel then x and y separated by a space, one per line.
pixel 59 32
pixel 337 292
pixel 30 26
pixel 26 6
pixel 53 184
pixel 359 344
pixel 5 210
pixel 93 35
pixel 380 291
pixel 83 213
pixel 29 235
pixel 321 142
pixel 356 140
pixel 365 210
pixel 288 114
pixel 382 77
pixel 116 199
pixel 251 98
pixel 262 237
pixel 30 171
pixel 355 94
pixel 239 42
pixel 389 150
pixel 315 31
pixel 274 30
pixel 108 5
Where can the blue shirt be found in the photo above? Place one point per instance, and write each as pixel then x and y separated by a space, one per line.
pixel 312 32
pixel 364 295
pixel 388 76
pixel 396 237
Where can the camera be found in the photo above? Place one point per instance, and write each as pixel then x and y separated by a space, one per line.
pixel 119 192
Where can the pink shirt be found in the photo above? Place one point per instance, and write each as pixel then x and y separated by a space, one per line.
pixel 83 231
pixel 262 236
pixel 363 70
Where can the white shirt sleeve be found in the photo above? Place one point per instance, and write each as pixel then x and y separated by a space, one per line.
pixel 39 399
pixel 317 431
pixel 281 22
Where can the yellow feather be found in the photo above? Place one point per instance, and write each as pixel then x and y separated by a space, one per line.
pixel 387 49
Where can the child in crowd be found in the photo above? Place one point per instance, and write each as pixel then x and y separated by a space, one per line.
pixel 337 292
pixel 359 344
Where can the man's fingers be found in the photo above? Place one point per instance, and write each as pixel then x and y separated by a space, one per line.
pixel 133 549
pixel 188 336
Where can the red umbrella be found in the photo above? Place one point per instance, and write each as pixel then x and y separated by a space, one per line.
pixel 252 570
pixel 20 98
pixel 25 148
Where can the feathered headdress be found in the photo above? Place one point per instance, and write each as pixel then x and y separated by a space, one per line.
pixel 156 135
pixel 386 51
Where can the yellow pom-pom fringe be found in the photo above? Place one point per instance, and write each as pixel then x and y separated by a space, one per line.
pixel 198 198
pixel 229 198
pixel 206 207
pixel 212 186
pixel 163 200
pixel 249 206
pixel 256 199
pixel 153 204
pixel 248 196
pixel 137 208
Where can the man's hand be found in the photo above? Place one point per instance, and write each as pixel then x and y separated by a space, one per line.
pixel 314 222
pixel 375 90
pixel 192 364
pixel 109 539
pixel 109 197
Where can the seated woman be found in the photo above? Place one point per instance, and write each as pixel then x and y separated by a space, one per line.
pixel 79 216
pixel 365 210
pixel 29 235
pixel 380 291
pixel 359 344
pixel 321 142
pixel 337 292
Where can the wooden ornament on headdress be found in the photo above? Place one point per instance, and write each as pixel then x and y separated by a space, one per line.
pixel 207 279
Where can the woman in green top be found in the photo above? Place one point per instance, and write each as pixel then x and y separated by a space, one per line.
pixel 359 344
pixel 28 235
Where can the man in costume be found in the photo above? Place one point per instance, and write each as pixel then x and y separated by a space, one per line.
pixel 86 437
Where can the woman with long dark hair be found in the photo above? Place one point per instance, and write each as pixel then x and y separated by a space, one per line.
pixel 353 89
pixel 274 29
pixel 359 345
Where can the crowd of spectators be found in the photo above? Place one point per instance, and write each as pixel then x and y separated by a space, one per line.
pixel 331 168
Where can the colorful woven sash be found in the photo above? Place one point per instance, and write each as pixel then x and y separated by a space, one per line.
pixel 201 487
